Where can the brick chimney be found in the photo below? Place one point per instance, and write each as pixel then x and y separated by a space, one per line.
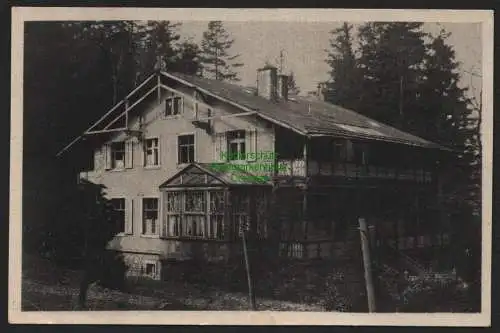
pixel 267 82
pixel 283 87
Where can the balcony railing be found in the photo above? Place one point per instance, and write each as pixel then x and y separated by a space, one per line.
pixel 297 168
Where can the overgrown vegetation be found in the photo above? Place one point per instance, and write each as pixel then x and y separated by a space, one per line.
pixel 78 235
pixel 396 73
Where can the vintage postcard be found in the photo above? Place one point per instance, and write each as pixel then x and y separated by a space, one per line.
pixel 251 166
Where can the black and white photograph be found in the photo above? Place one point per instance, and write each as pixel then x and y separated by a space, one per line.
pixel 251 166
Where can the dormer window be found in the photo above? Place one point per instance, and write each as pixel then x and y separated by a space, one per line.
pixel 173 106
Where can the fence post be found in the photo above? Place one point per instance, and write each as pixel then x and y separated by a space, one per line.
pixel 365 247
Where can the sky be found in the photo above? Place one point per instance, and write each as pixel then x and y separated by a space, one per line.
pixel 304 45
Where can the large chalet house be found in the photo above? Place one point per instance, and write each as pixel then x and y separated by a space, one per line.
pixel 188 160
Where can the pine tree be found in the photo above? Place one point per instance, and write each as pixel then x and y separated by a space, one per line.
pixel 216 61
pixel 117 43
pixel 391 55
pixel 188 58
pixel 448 114
pixel 159 52
pixel 345 79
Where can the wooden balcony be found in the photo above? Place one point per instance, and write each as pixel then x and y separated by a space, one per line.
pixel 297 168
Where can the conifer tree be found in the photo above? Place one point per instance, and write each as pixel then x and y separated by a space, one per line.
pixel 343 87
pixel 216 61
pixel 390 61
pixel 158 40
pixel 188 58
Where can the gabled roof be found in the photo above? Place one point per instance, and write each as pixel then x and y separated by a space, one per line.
pixel 213 174
pixel 309 116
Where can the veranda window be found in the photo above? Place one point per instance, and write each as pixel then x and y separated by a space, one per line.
pixel 195 213
pixel 187 213
pixel 201 214
pixel 174 213
pixel 216 215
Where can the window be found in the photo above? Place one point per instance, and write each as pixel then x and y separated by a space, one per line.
pixel 185 149
pixel 187 214
pixel 236 145
pixel 194 217
pixel 216 215
pixel 173 106
pixel 118 155
pixel 151 152
pixel 150 269
pixel 119 207
pixel 174 210
pixel 149 216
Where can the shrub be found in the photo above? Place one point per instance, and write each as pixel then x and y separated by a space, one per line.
pixel 112 271
pixel 333 299
pixel 433 294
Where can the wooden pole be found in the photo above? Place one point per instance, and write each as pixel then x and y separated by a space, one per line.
pixel 251 295
pixel 365 247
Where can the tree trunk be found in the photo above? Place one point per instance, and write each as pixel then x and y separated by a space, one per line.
pixel 84 287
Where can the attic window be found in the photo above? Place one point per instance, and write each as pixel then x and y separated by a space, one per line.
pixel 173 106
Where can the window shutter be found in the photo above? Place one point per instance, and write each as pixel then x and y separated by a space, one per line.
pixel 220 147
pixel 159 150
pixel 107 156
pixel 129 154
pixel 129 217
pixel 142 147
pixel 195 108
pixel 141 217
pixel 251 144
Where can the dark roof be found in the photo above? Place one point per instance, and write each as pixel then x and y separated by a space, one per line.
pixel 309 116
pixel 218 174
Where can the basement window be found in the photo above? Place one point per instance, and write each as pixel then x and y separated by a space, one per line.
pixel 150 269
